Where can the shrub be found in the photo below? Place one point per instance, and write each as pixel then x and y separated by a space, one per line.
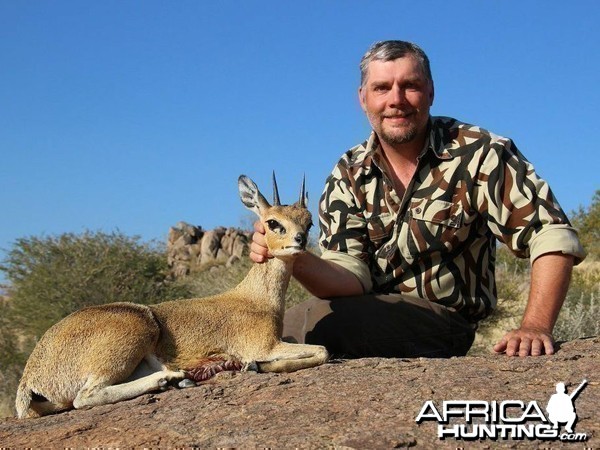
pixel 50 277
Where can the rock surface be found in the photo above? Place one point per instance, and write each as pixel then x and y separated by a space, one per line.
pixel 365 403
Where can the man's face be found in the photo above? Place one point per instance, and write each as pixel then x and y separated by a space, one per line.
pixel 396 97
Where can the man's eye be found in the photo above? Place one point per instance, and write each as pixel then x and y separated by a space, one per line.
pixel 412 87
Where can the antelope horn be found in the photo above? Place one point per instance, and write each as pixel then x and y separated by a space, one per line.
pixel 302 201
pixel 276 201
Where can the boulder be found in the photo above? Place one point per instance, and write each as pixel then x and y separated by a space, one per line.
pixel 189 247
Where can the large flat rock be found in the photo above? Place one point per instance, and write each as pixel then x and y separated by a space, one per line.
pixel 362 403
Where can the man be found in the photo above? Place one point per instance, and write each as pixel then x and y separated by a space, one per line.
pixel 409 221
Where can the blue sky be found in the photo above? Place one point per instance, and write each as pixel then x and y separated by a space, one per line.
pixel 134 115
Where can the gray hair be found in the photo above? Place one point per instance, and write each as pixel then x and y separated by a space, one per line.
pixel 391 50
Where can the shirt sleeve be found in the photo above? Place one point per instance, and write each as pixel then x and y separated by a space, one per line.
pixel 343 238
pixel 520 208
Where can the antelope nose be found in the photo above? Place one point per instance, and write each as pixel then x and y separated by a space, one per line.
pixel 300 238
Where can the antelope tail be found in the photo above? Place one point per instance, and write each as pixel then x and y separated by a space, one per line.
pixel 23 401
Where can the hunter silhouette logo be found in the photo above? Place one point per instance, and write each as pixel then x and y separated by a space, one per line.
pixel 560 406
pixel 508 419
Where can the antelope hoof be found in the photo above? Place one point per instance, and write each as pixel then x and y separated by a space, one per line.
pixel 250 367
pixel 186 383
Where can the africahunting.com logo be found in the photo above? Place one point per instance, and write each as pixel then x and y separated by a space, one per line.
pixel 508 419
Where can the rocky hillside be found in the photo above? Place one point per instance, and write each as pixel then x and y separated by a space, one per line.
pixel 366 403
pixel 189 247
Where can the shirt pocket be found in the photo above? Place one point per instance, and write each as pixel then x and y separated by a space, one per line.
pixel 379 228
pixel 432 226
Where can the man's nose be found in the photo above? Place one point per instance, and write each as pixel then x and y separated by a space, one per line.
pixel 396 96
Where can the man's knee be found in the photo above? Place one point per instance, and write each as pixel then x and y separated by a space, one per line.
pixel 379 325
pixel 301 319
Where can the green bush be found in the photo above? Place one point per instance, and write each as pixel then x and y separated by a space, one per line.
pixel 50 277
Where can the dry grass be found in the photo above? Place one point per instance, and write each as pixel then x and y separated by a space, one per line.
pixel 513 287
pixel 579 315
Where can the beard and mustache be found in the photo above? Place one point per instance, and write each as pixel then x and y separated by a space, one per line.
pixel 394 135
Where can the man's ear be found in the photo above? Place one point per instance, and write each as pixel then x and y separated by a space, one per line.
pixel 432 94
pixel 361 99
pixel 251 196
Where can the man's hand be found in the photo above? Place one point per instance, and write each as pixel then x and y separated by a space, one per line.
pixel 550 276
pixel 525 342
pixel 259 252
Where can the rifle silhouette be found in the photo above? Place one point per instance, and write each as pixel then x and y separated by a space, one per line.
pixel 578 390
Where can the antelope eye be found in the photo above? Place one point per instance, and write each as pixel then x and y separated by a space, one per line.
pixel 275 226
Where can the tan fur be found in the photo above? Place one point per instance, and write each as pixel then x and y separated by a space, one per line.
pixel 109 353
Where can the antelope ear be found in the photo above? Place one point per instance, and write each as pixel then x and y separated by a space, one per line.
pixel 251 196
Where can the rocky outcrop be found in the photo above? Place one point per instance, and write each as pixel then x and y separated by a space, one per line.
pixel 189 247
pixel 364 403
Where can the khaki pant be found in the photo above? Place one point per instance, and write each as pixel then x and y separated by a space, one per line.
pixel 381 325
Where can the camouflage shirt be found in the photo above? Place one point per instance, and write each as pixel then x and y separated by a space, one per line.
pixel 438 242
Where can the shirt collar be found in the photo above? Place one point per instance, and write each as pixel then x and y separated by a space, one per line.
pixel 436 141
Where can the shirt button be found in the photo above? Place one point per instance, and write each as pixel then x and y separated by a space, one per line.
pixel 418 210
